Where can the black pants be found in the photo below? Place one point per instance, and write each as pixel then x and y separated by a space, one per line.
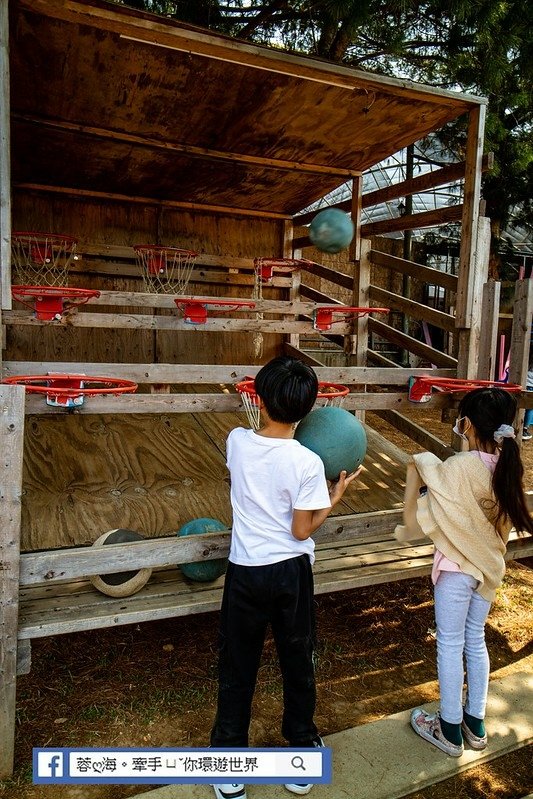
pixel 282 594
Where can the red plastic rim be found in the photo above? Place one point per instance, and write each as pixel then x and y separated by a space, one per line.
pixel 213 301
pixel 325 390
pixel 420 387
pixel 53 238
pixel 110 385
pixel 161 249
pixel 61 292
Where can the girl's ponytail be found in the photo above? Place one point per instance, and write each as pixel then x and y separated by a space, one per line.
pixel 508 489
pixel 488 409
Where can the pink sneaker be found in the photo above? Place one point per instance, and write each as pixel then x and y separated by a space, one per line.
pixel 428 727
pixel 474 741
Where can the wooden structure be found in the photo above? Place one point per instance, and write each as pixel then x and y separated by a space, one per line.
pixel 128 129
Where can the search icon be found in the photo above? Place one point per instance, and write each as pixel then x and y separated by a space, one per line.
pixel 298 762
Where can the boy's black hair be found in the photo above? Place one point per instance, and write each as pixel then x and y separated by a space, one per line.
pixel 288 388
pixel 487 409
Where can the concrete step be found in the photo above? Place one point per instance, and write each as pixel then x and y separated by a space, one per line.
pixel 387 760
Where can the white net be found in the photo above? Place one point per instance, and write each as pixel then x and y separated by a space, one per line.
pixel 165 270
pixel 250 403
pixel 41 259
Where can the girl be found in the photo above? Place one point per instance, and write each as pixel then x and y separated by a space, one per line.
pixel 467 506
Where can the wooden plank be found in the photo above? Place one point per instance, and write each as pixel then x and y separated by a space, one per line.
pixel 469 221
pixel 429 180
pixel 413 309
pixel 411 344
pixel 126 198
pixel 210 374
pixel 5 163
pixel 380 359
pixel 338 278
pixel 204 403
pixel 174 323
pixel 23 657
pixel 188 149
pixel 470 336
pixel 66 564
pixel 439 216
pixel 488 341
pixel 423 273
pixel 417 433
pixel 11 447
pixel 361 299
pixel 521 340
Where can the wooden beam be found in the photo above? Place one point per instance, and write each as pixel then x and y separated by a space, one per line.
pixel 521 339
pixel 11 447
pixel 470 215
pixel 488 341
pixel 126 198
pixel 421 272
pixel 417 433
pixel 382 360
pixel 209 403
pixel 470 336
pixel 429 180
pixel 413 309
pixel 439 216
pixel 361 299
pixel 411 344
pixel 186 149
pixel 5 164
pixel 209 374
pixel 334 276
pixel 125 321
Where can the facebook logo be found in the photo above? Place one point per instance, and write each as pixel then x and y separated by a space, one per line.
pixel 50 764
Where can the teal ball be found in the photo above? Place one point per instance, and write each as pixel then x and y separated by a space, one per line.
pixel 331 230
pixel 337 437
pixel 207 570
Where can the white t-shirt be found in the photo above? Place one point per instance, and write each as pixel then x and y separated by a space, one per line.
pixel 270 478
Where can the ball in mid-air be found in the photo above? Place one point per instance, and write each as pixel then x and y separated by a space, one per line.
pixel 337 437
pixel 331 230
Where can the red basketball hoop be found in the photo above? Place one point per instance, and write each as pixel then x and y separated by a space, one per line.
pixel 264 267
pixel 42 257
pixel 195 308
pixel 69 390
pixel 50 302
pixel 166 270
pixel 328 394
pixel 420 388
pixel 323 317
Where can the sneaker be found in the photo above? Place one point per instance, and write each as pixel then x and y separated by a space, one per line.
pixel 230 791
pixel 428 727
pixel 473 740
pixel 526 435
pixel 303 788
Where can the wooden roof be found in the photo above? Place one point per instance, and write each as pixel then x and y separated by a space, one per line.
pixel 107 99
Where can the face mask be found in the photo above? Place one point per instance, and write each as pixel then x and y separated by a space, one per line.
pixel 456 428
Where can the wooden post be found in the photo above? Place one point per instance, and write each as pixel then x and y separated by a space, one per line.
pixel 470 334
pixel 469 222
pixel 361 291
pixel 11 447
pixel 521 339
pixel 490 309
pixel 5 172
pixel 294 291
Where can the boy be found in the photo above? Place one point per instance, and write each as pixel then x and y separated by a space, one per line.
pixel 279 497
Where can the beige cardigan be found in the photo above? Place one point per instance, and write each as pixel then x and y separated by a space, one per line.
pixel 455 513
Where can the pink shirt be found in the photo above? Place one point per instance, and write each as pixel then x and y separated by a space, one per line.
pixel 440 562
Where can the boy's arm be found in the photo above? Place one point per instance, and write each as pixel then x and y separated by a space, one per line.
pixel 305 522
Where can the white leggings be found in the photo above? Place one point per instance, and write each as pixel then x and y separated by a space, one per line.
pixel 461 614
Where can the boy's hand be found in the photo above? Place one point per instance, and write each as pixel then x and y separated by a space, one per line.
pixel 337 489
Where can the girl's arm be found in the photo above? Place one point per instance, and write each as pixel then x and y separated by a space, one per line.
pixel 305 522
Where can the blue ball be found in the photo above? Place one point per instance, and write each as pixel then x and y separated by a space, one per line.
pixel 337 437
pixel 207 570
pixel 331 230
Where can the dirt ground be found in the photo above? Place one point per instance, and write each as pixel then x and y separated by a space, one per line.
pixel 155 684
